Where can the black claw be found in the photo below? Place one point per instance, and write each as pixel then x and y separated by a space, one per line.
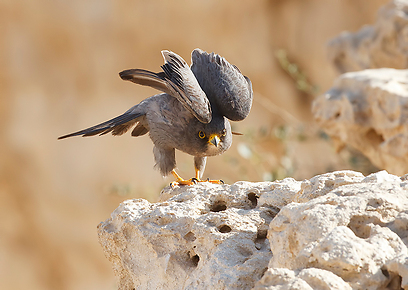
pixel 194 180
pixel 208 179
pixel 221 181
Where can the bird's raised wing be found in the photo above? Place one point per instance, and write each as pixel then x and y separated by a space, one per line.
pixel 223 83
pixel 177 80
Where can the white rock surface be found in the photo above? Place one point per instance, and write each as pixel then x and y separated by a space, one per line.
pixel 338 230
pixel 203 237
pixel 368 110
pixel 384 44
pixel 354 231
pixel 306 279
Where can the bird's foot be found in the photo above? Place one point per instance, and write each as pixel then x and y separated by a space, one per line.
pixel 181 181
pixel 216 181
pixel 193 181
pixel 198 179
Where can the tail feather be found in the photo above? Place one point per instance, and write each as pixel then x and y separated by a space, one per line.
pixel 118 126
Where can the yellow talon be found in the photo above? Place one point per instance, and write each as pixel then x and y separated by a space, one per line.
pixel 180 180
pixel 207 180
pixel 191 181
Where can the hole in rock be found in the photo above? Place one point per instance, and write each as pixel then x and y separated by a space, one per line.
pixel 261 234
pixel 224 229
pixel 374 138
pixel 260 238
pixel 195 259
pixel 359 225
pixel 253 198
pixel 394 280
pixel 190 237
pixel 385 272
pixel 218 205
pixel 263 271
pixel 269 213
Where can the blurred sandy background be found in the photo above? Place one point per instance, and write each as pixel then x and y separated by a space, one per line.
pixel 59 73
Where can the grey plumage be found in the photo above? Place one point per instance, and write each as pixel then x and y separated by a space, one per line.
pixel 191 115
pixel 223 83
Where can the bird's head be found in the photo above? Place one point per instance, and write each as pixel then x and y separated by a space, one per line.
pixel 211 139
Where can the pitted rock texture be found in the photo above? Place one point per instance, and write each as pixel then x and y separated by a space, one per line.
pixel 306 279
pixel 384 44
pixel 203 237
pixel 368 110
pixel 356 231
pixel 338 230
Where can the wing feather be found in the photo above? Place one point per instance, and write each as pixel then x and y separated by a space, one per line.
pixel 225 86
pixel 177 80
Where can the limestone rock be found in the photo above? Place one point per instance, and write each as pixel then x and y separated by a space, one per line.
pixel 356 231
pixel 384 44
pixel 368 110
pixel 306 279
pixel 338 230
pixel 202 237
pixel 322 184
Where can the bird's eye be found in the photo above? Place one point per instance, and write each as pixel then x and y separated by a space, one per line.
pixel 224 133
pixel 201 134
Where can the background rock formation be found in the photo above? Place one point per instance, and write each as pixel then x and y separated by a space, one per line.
pixel 368 109
pixel 339 230
pixel 383 44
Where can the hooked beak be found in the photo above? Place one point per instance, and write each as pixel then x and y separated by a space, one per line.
pixel 214 140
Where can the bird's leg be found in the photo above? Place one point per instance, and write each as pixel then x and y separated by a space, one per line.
pixel 197 173
pixel 199 166
pixel 180 180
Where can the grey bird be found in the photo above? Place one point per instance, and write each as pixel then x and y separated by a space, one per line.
pixel 191 115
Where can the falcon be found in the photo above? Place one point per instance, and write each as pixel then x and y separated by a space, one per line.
pixel 191 115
